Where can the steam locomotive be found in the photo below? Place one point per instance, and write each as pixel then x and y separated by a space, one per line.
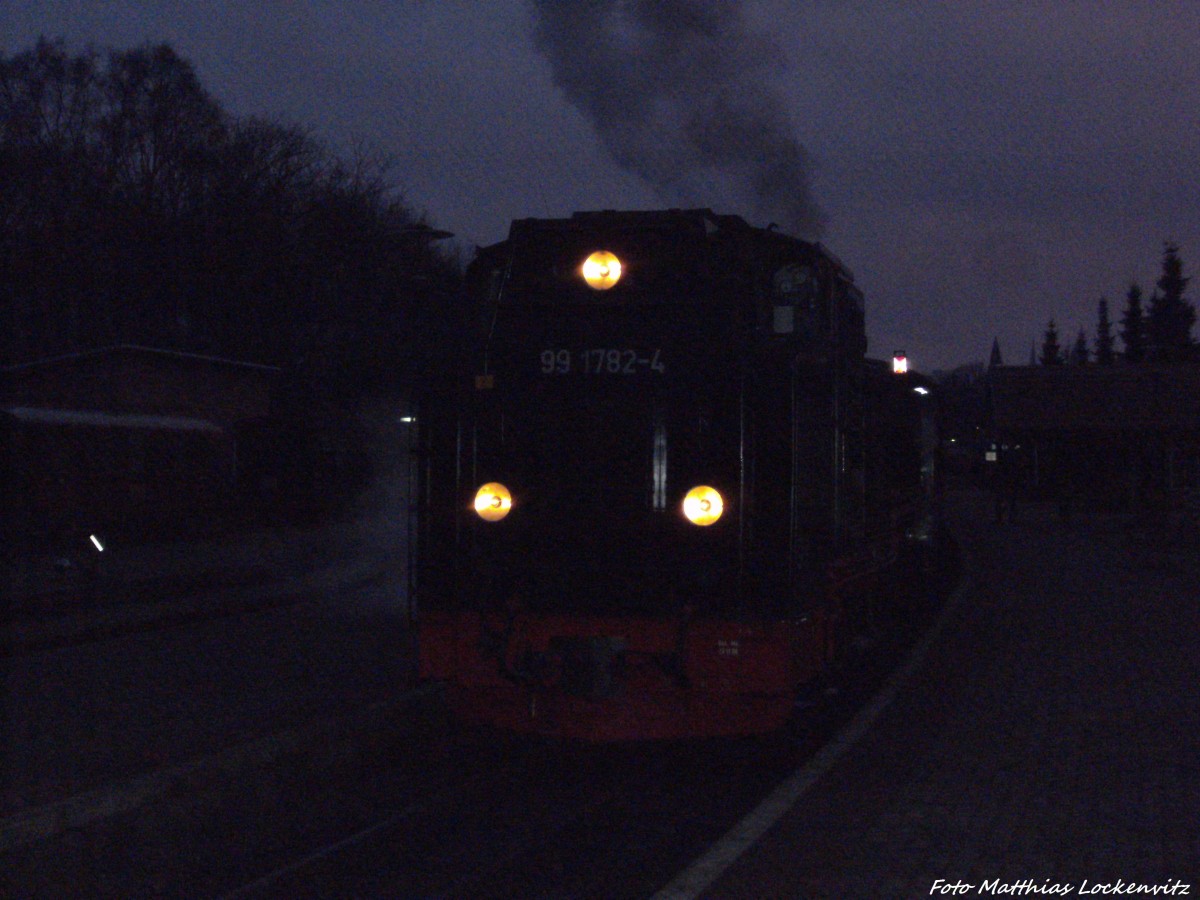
pixel 667 490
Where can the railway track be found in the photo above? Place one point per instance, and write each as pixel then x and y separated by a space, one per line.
pixel 509 817
pixel 426 807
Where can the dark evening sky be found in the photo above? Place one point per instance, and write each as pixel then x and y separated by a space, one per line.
pixel 981 166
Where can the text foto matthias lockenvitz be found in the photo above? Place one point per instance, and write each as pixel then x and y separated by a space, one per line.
pixel 1029 886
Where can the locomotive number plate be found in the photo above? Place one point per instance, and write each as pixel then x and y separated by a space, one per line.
pixel 601 361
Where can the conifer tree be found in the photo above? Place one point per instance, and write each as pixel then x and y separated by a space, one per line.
pixel 1133 326
pixel 1051 351
pixel 1170 319
pixel 1079 352
pixel 1104 338
pixel 996 359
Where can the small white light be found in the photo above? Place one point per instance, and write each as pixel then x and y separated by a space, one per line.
pixel 922 391
pixel 96 543
pixel 408 419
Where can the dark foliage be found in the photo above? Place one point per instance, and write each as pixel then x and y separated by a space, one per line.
pixel 1079 351
pixel 1052 354
pixel 1171 316
pixel 1133 326
pixel 1104 339
pixel 133 209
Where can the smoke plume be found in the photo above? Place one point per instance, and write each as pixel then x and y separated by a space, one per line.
pixel 679 92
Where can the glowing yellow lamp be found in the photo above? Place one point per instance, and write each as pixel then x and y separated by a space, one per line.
pixel 602 270
pixel 493 501
pixel 703 505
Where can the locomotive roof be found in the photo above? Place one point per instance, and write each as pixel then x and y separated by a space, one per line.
pixel 701 221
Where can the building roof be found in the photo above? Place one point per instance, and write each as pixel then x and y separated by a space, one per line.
pixel 136 350
pixel 1096 398
pixel 96 419
pixel 131 380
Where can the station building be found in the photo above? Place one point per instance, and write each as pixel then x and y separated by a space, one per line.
pixel 1119 437
pixel 124 438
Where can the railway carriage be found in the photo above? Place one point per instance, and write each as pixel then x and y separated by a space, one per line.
pixel 648 504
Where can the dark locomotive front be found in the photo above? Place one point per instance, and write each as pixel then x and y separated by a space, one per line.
pixel 644 503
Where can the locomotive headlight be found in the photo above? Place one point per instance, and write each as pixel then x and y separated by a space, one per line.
pixel 703 505
pixel 602 270
pixel 493 501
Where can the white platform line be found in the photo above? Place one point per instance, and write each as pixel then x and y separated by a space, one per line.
pixel 295 866
pixel 697 877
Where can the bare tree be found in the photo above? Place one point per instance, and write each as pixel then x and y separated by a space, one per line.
pixel 135 209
